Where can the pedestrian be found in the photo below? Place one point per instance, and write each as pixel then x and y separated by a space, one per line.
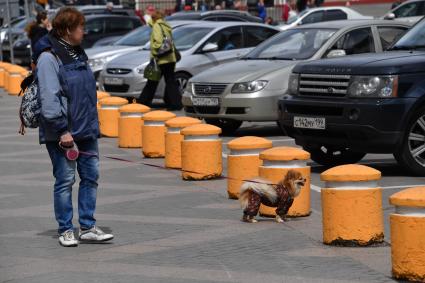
pixel 262 13
pixel 68 123
pixel 270 21
pixel 38 28
pixel 109 7
pixel 167 63
pixel 301 5
pixel 147 17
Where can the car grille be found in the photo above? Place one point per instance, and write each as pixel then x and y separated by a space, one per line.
pixel 207 110
pixel 118 71
pixel 116 88
pixel 324 85
pixel 209 89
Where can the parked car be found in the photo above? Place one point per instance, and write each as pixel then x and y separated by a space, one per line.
pixel 340 109
pixel 17 30
pixel 101 9
pixel 411 11
pixel 323 14
pixel 249 89
pixel 216 16
pixel 133 41
pixel 202 46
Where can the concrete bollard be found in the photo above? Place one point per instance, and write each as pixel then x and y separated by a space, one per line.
pixel 243 161
pixel 408 234
pixel 201 152
pixel 109 115
pixel 173 140
pixel 277 162
pixel 153 133
pixel 3 66
pixel 14 80
pixel 130 125
pixel 352 206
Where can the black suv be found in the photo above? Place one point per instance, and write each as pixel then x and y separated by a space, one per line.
pixel 216 16
pixel 339 109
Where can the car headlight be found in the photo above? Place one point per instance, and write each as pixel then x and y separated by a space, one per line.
pixel 373 86
pixel 190 88
pixel 293 83
pixel 249 86
pixel 98 62
pixel 141 69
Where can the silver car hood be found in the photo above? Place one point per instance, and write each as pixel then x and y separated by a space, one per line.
pixel 110 50
pixel 242 71
pixel 130 60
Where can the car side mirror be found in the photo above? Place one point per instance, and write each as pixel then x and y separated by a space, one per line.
pixel 210 47
pixel 299 23
pixel 336 53
pixel 390 16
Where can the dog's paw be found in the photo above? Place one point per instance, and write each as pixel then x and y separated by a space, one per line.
pixel 279 219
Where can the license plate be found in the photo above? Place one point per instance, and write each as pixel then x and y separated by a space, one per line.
pixel 114 81
pixel 205 101
pixel 310 123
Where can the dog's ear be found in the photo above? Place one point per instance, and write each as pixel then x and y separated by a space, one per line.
pixel 289 179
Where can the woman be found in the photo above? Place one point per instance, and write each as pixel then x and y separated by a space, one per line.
pixel 38 28
pixel 166 63
pixel 69 120
pixel 262 13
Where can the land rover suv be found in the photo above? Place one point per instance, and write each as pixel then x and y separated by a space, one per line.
pixel 339 109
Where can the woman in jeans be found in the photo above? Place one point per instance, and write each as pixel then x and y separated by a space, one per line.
pixel 166 63
pixel 69 118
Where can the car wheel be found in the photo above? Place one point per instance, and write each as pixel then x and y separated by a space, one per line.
pixel 411 153
pixel 228 126
pixel 181 80
pixel 333 156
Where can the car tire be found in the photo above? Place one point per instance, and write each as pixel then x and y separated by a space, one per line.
pixel 181 81
pixel 330 156
pixel 411 153
pixel 228 126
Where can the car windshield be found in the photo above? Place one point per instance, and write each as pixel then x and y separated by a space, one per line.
pixel 138 37
pixel 413 39
pixel 186 37
pixel 294 44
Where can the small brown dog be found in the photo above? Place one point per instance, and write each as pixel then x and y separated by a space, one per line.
pixel 260 191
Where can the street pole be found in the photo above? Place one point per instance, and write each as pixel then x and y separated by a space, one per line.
pixel 27 16
pixel 9 31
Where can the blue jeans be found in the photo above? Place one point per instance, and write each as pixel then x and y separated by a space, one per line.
pixel 64 173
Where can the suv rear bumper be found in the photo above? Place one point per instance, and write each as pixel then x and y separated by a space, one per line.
pixel 363 125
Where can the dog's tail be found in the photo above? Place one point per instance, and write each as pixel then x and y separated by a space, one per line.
pixel 258 186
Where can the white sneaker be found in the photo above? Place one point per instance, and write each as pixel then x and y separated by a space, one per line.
pixel 67 239
pixel 94 234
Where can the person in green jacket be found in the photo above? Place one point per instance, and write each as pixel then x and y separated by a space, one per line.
pixel 166 63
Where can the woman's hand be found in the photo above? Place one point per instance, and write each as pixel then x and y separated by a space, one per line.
pixel 66 140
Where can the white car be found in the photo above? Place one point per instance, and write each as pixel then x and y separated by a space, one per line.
pixel 410 11
pixel 323 14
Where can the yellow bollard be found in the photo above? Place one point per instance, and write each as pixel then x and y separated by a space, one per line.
pixel 100 95
pixel 153 133
pixel 243 161
pixel 173 139
pixel 201 152
pixel 352 206
pixel 6 66
pixel 3 66
pixel 408 234
pixel 277 162
pixel 109 115
pixel 130 125
pixel 15 79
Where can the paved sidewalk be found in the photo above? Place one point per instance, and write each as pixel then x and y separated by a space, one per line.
pixel 166 229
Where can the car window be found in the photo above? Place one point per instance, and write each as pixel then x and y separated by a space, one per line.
pixel 227 39
pixel 293 44
pixel 210 18
pixel 229 19
pixel 94 26
pixel 187 36
pixel 356 42
pixel 334 15
pixel 388 35
pixel 256 35
pixel 409 10
pixel 119 24
pixel 314 17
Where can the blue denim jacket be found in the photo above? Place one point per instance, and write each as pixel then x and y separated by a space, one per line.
pixel 67 93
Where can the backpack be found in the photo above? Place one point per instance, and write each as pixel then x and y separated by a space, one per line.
pixel 30 109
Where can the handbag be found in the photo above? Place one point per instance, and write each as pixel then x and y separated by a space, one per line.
pixel 166 45
pixel 152 71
